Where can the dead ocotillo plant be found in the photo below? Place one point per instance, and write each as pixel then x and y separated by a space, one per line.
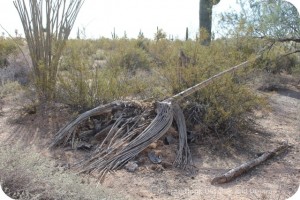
pixel 47 26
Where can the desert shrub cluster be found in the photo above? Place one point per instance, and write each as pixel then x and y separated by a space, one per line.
pixel 7 47
pixel 95 72
pixel 149 70
pixel 277 64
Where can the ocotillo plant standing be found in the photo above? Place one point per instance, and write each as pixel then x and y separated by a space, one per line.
pixel 47 26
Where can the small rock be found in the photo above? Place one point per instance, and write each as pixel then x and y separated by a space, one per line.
pixel 154 158
pixel 169 140
pixel 141 160
pixel 131 166
pixel 191 137
pixel 158 168
pixel 84 146
pixel 153 145
pixel 167 165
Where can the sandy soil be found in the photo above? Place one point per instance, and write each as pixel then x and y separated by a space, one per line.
pixel 277 178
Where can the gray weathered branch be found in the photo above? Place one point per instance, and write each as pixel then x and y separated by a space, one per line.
pixel 233 173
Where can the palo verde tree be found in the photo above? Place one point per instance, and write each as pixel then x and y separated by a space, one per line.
pixel 205 20
pixel 160 34
pixel 47 26
pixel 272 19
pixel 275 19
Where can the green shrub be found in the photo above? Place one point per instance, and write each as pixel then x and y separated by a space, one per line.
pixel 7 47
pixel 10 88
pixel 276 61
pixel 134 59
pixel 83 86
pixel 296 70
pixel 128 55
pixel 223 108
pixel 73 67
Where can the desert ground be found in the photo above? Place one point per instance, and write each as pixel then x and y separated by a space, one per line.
pixel 277 178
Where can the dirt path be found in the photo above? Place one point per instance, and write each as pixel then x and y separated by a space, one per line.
pixel 275 179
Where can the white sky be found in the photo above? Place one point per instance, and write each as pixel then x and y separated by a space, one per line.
pixel 99 17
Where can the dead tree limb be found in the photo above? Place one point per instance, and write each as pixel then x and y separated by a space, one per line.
pixel 290 53
pixel 297 40
pixel 292 39
pixel 244 168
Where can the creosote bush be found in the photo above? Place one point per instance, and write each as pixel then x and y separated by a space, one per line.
pixel 275 64
pixel 7 47
pixel 222 109
pixel 134 59
pixel 9 88
pixel 83 86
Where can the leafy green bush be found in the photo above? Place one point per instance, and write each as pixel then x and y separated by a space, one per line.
pixel 134 59
pixel 128 54
pixel 277 60
pixel 223 108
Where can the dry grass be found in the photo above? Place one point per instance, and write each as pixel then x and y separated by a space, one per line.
pixel 25 174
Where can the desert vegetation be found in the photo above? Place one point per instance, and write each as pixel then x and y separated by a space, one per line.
pixel 127 89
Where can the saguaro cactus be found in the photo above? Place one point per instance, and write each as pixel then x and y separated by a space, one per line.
pixel 205 20
pixel 186 34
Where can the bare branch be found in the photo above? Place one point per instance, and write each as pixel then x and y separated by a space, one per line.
pixel 290 53
pixel 297 40
pixel 245 167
